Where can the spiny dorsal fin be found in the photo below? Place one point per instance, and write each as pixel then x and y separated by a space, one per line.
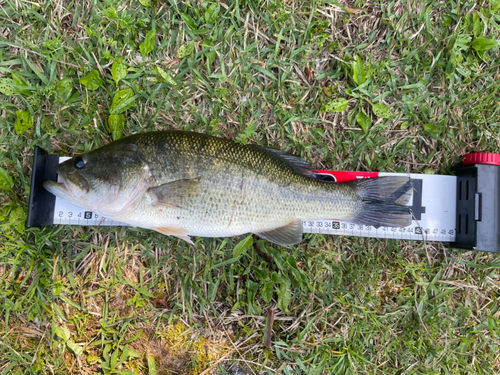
pixel 286 235
pixel 295 161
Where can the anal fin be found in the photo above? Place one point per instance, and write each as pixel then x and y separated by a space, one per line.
pixel 176 232
pixel 286 235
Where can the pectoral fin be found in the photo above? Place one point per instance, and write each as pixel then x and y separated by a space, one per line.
pixel 171 193
pixel 176 232
pixel 289 234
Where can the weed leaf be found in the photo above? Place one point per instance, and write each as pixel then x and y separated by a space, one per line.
pixel 242 246
pixel 63 90
pixel 149 42
pixel 190 23
pixel 267 291
pixel 335 105
pixel 63 333
pixel 478 25
pixel 163 74
pixel 252 289
pixel 116 123
pixel 185 50
pixel 75 348
pixel 482 44
pixel 8 86
pixel 123 100
pixel 363 120
pixel 284 296
pixel 92 81
pixel 17 218
pixel 24 121
pixel 381 110
pixel 212 13
pixel 165 77
pixel 151 364
pixel 118 70
pixel 358 71
pixel 20 82
pixel 431 128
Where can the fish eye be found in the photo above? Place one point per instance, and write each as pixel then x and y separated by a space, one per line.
pixel 79 162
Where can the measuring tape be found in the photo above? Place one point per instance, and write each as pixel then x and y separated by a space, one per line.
pixel 432 206
pixel 435 205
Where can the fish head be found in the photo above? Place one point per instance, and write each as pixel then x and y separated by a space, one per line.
pixel 108 180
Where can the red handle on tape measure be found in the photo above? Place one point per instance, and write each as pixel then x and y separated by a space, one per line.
pixel 482 158
pixel 343 176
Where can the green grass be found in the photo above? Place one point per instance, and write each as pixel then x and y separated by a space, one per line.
pixel 414 89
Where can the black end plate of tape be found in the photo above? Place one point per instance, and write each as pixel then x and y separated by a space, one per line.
pixel 478 208
pixel 41 208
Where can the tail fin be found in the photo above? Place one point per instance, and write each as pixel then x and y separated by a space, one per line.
pixel 383 201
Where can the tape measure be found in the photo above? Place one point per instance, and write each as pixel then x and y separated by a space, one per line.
pixel 444 208
pixel 432 207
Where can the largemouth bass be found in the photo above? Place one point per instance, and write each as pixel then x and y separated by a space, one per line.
pixel 188 184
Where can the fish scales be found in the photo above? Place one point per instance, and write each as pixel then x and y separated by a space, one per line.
pixel 242 188
pixel 189 184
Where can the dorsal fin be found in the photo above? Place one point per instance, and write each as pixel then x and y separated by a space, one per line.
pixel 295 161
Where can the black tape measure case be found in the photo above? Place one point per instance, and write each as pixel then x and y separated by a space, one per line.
pixel 478 203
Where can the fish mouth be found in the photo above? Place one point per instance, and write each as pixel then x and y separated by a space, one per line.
pixel 65 189
pixel 59 189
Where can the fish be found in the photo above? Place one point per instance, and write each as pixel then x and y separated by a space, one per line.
pixel 185 184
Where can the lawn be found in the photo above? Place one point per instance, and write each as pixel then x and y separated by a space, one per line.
pixel 394 86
